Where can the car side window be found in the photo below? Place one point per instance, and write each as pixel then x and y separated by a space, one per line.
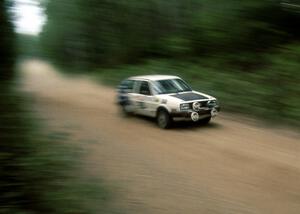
pixel 127 86
pixel 144 88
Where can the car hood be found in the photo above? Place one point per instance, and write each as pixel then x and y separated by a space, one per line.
pixel 187 96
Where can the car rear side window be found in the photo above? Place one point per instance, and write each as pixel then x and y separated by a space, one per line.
pixel 127 85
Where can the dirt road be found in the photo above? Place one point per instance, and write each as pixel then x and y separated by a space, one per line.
pixel 229 166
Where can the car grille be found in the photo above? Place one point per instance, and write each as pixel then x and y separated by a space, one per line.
pixel 206 107
pixel 203 104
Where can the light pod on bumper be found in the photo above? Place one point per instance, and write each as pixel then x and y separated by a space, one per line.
pixel 195 116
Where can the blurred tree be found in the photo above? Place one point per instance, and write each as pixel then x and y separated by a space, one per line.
pixel 28 46
pixel 98 32
pixel 281 81
pixel 7 37
pixel 36 170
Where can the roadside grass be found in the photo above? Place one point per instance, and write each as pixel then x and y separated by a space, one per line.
pixel 250 93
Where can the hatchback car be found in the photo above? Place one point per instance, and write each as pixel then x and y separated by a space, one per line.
pixel 166 98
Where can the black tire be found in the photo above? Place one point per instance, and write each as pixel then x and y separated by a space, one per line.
pixel 125 110
pixel 164 120
pixel 205 120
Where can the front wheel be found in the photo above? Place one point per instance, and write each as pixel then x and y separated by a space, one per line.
pixel 164 120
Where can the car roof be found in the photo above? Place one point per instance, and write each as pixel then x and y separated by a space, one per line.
pixel 153 77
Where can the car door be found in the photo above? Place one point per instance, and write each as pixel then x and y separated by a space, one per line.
pixel 145 100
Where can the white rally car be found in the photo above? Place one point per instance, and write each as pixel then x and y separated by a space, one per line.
pixel 166 98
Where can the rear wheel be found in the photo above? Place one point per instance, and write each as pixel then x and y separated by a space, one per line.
pixel 164 120
pixel 125 109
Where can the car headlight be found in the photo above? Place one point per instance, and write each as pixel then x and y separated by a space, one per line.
pixel 184 106
pixel 213 103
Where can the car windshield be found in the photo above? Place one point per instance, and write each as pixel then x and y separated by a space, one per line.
pixel 169 86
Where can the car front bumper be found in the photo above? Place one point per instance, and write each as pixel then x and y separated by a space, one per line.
pixel 202 113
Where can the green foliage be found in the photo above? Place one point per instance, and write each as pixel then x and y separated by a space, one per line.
pixel 175 46
pixel 111 32
pixel 282 82
pixel 93 33
pixel 28 46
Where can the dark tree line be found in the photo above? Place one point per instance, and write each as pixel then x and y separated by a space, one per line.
pixel 7 39
pixel 97 32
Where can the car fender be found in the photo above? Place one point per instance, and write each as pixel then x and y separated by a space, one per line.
pixel 163 106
